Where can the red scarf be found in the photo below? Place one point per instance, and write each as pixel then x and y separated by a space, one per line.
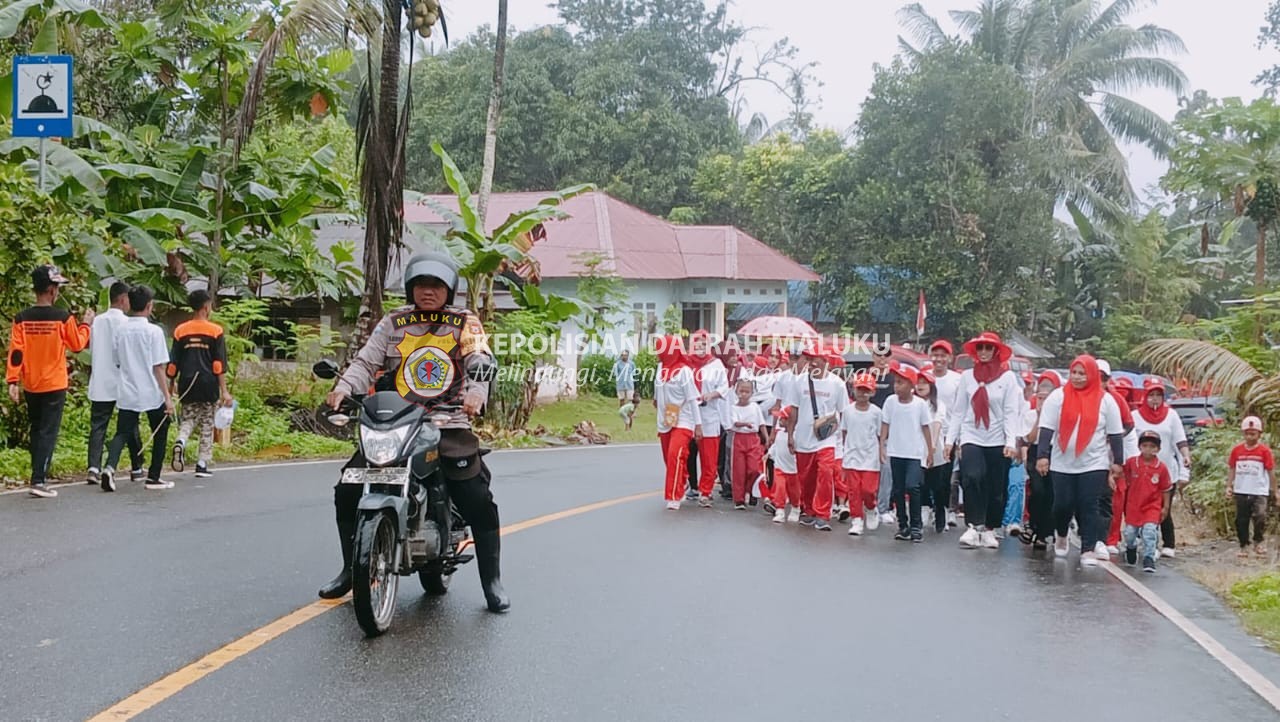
pixel 1081 407
pixel 1156 415
pixel 985 373
pixel 672 357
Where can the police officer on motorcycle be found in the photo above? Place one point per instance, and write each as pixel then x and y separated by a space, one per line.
pixel 435 354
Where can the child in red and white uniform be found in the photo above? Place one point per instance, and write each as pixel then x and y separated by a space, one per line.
pixel 679 418
pixel 1148 489
pixel 786 482
pixel 746 422
pixel 815 403
pixel 712 381
pixel 1251 481
pixel 860 434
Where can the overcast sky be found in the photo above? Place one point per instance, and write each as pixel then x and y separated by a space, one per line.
pixel 846 41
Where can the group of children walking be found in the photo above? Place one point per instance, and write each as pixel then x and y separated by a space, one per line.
pixel 879 446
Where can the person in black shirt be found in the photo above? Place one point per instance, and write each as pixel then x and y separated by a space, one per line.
pixel 197 375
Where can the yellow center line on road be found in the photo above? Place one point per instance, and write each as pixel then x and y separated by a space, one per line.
pixel 169 685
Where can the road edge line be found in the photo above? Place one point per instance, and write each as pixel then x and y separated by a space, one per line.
pixel 174 682
pixel 1255 680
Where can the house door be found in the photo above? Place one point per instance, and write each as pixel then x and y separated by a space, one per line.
pixel 698 315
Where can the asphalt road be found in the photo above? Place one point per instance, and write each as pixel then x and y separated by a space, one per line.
pixel 629 612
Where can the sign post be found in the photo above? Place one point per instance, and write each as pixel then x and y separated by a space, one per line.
pixel 42 100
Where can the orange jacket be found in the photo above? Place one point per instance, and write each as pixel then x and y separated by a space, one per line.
pixel 38 347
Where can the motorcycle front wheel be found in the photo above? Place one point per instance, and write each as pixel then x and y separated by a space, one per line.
pixel 374 578
pixel 434 581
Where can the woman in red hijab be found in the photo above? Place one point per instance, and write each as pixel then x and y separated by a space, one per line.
pixel 679 416
pixel 1040 486
pixel 1155 415
pixel 1081 446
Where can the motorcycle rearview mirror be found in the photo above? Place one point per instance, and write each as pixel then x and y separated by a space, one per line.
pixel 325 369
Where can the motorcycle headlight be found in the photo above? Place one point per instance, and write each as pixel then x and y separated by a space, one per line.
pixel 382 447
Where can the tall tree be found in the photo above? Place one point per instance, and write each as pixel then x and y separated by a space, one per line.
pixel 1079 59
pixel 495 113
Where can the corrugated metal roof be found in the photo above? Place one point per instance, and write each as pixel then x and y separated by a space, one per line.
pixel 639 246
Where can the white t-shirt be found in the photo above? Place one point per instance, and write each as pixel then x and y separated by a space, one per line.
pixel 783 459
pixel 1097 455
pixel 104 376
pixel 831 398
pixel 861 432
pixel 139 347
pixel 938 420
pixel 679 393
pixel 784 384
pixel 1172 433
pixel 1004 398
pixel 763 395
pixel 948 386
pixel 715 378
pixel 750 414
pixel 906 422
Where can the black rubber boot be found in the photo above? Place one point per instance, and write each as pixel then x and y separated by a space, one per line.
pixel 488 549
pixel 341 584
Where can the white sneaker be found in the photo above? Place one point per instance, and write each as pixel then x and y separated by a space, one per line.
pixel 1087 559
pixel 873 519
pixel 1060 548
pixel 793 516
pixel 779 516
pixel 971 538
pixel 988 540
pixel 1168 552
pixel 1112 550
pixel 1100 552
pixel 926 516
pixel 855 527
pixel 999 532
pixel 951 519
pixel 1015 529
pixel 158 484
pixel 1073 538
pixel 673 506
pixel 888 518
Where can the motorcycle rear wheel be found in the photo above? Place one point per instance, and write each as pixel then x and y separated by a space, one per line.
pixel 374 578
pixel 434 581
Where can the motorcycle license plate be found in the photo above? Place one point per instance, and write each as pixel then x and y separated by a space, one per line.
pixel 391 477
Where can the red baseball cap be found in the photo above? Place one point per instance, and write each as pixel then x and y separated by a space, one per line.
pixel 864 381
pixel 943 344
pixel 907 372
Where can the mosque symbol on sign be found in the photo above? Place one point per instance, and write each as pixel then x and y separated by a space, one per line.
pixel 42 103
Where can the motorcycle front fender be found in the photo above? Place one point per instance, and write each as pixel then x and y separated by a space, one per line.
pixel 397 506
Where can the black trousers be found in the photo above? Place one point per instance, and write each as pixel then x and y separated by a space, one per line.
pixel 127 429
pixel 1250 508
pixel 908 481
pixel 100 413
pixel 471 495
pixel 1166 529
pixel 1079 495
pixel 937 488
pixel 1040 503
pixel 984 474
pixel 44 409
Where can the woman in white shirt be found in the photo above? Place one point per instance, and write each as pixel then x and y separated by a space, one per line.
pixel 1081 424
pixel 1155 415
pixel 679 417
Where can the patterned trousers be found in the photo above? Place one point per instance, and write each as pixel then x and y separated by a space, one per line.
pixel 199 414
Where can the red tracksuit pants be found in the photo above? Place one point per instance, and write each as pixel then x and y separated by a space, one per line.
pixel 1117 513
pixel 862 489
pixel 709 461
pixel 675 452
pixel 817 471
pixel 786 488
pixel 747 455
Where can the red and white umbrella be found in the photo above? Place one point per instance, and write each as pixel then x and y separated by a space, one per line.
pixel 779 327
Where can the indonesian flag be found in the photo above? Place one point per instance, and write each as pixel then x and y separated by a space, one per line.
pixel 922 312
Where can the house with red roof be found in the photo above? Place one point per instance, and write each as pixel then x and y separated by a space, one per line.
pixel 699 270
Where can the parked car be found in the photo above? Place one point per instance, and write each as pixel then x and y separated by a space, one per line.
pixel 1198 413
pixel 860 359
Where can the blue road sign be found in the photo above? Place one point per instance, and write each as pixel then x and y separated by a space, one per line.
pixel 42 96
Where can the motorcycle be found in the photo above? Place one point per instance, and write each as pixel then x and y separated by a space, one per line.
pixel 406 523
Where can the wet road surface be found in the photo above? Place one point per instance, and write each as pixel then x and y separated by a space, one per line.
pixel 629 612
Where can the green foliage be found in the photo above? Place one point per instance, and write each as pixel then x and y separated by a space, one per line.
pixel 1259 594
pixel 646 369
pixel 595 375
pixel 238 319
pixel 1206 493
pixel 628 96
pixel 602 295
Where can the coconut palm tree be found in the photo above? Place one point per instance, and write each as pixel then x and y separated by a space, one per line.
pixel 384 105
pixel 1079 58
pixel 1207 364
